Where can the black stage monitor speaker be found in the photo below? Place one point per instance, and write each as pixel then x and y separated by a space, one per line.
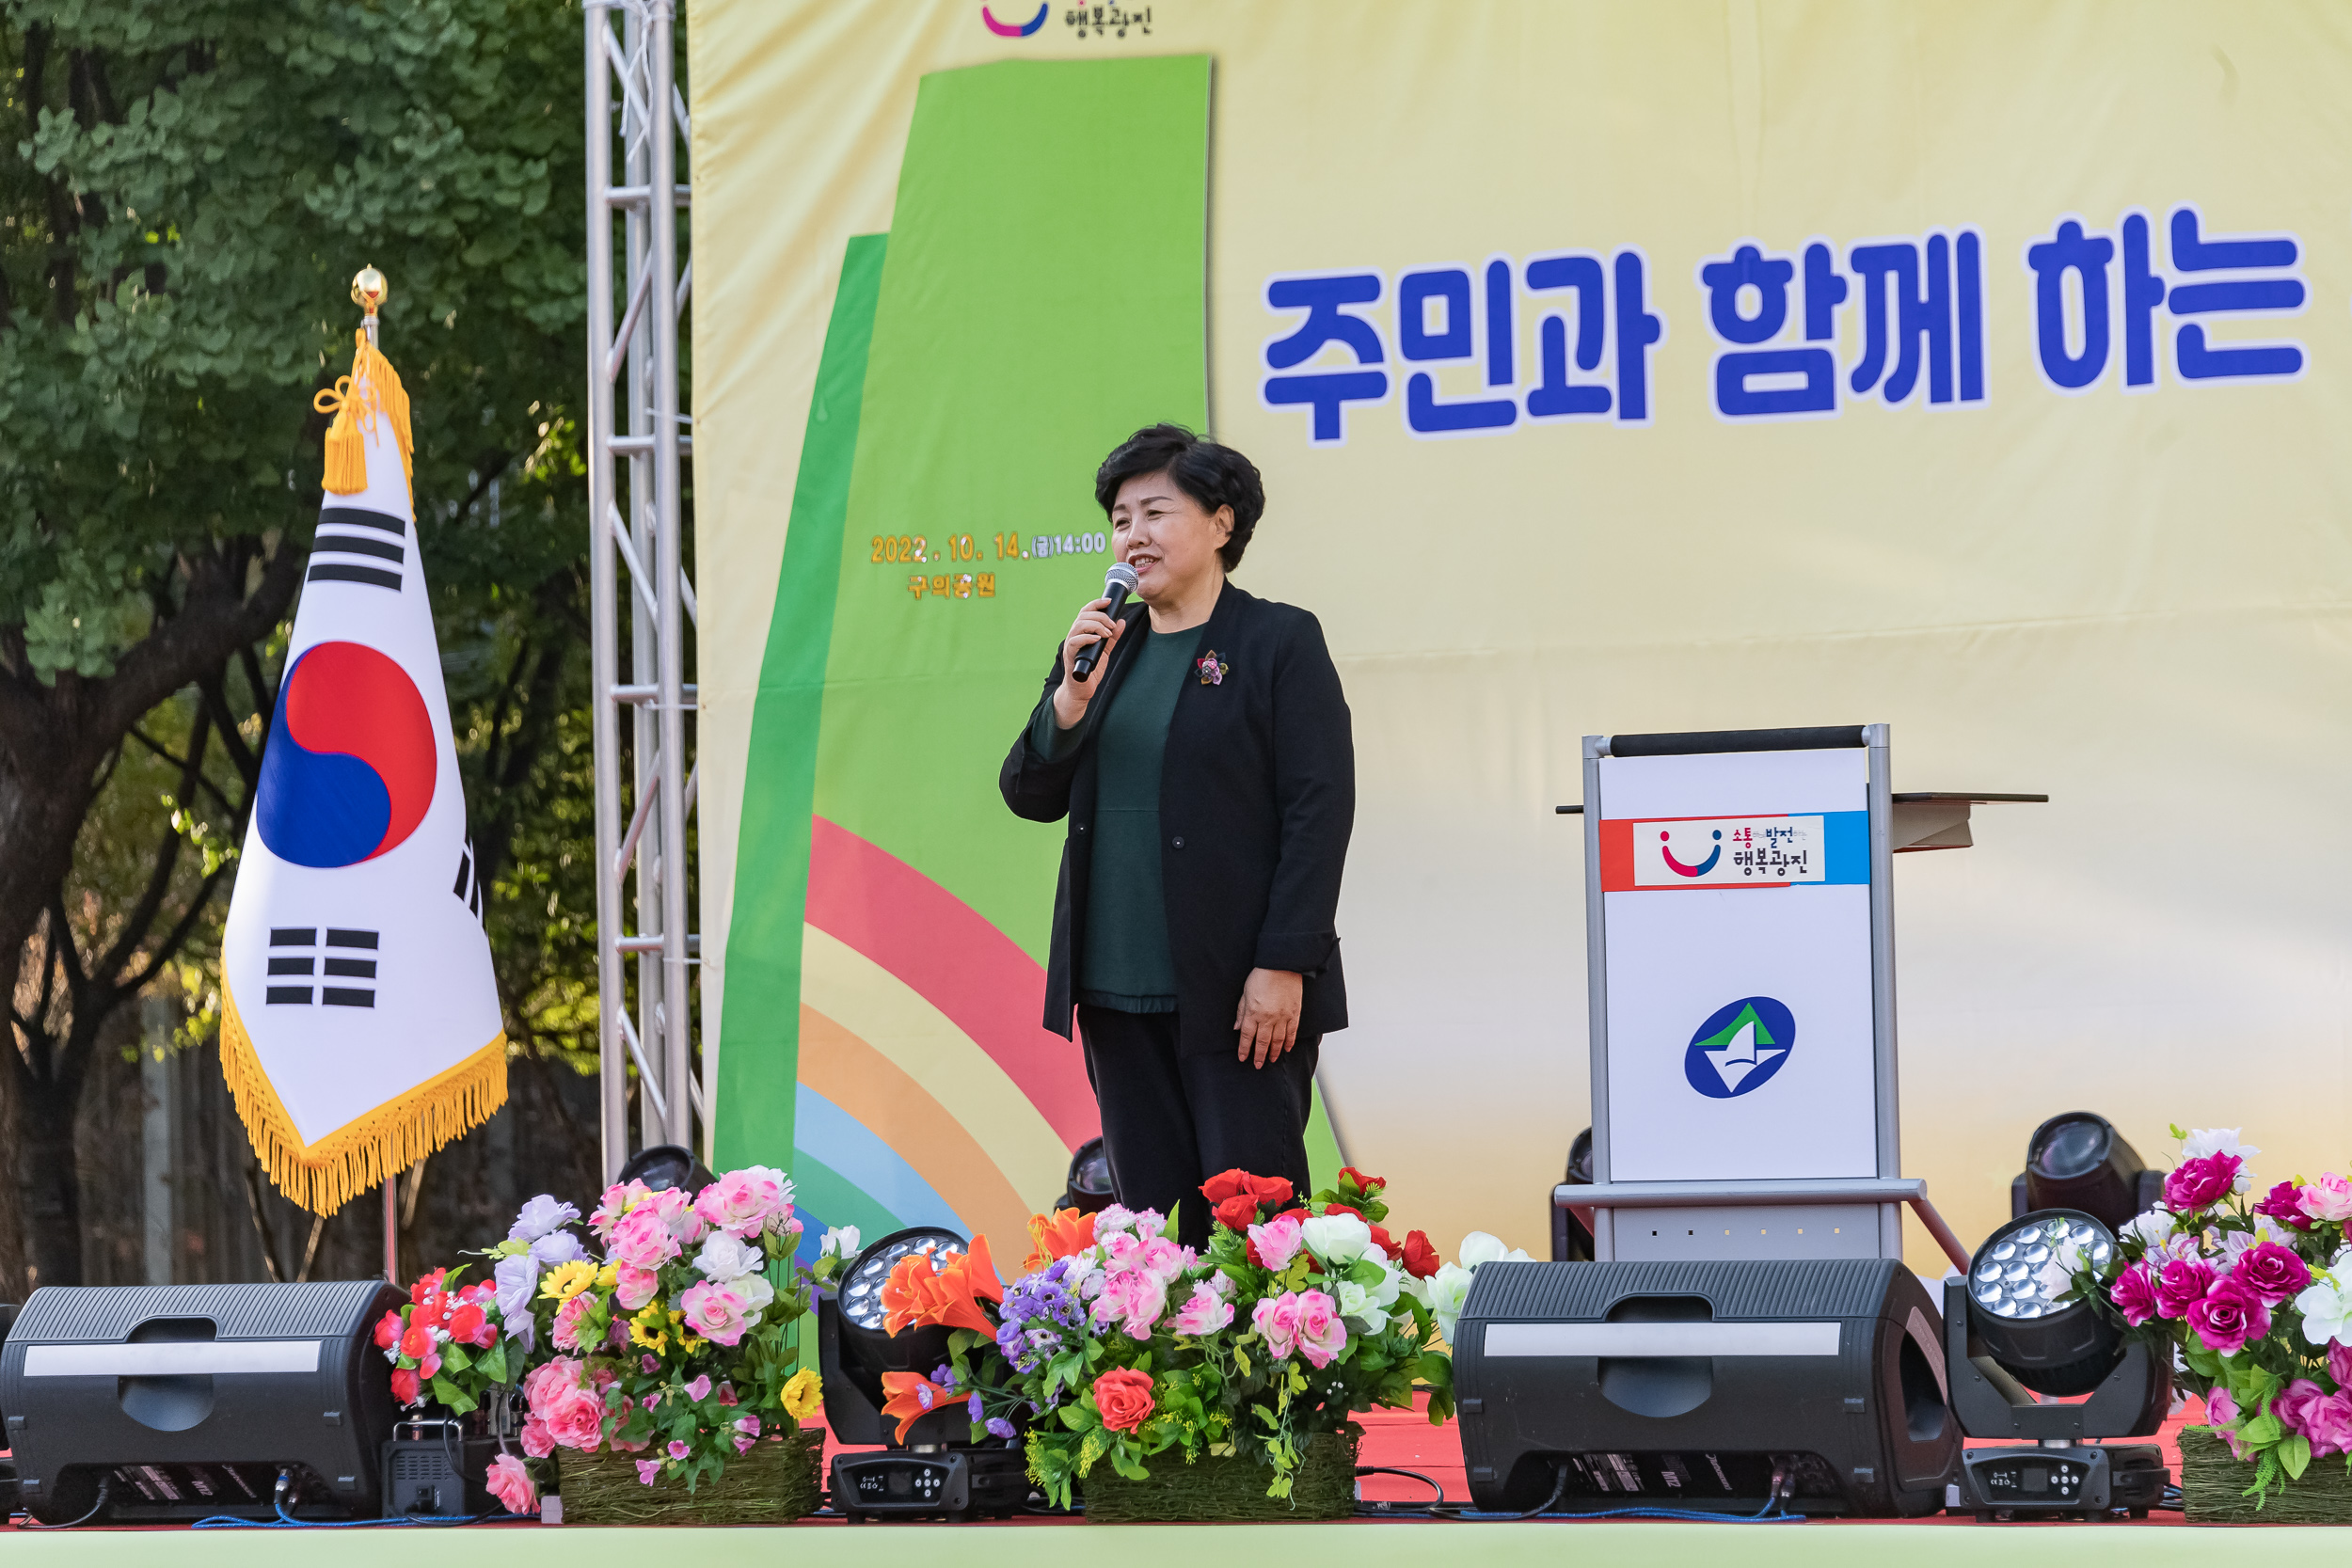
pixel 192 1400
pixel 1697 1385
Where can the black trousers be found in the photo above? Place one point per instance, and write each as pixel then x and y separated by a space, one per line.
pixel 1170 1122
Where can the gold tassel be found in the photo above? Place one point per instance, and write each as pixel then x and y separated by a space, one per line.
pixel 373 388
pixel 367 1150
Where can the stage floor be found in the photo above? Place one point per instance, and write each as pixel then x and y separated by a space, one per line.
pixel 1397 1438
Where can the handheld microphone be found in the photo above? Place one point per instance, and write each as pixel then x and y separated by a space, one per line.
pixel 1117 583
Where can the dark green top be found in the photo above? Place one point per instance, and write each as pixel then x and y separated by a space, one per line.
pixel 1123 959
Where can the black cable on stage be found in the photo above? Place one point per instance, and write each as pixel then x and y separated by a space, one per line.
pixel 105 1486
pixel 1397 1510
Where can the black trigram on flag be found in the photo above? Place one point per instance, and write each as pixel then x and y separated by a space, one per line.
pixel 469 885
pixel 372 547
pixel 347 968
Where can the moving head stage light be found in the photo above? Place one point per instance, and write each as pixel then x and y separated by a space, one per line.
pixel 2079 1161
pixel 1708 1386
pixel 938 1469
pixel 179 1402
pixel 2005 1332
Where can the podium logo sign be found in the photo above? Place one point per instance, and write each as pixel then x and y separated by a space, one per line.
pixel 1739 1047
pixel 1738 850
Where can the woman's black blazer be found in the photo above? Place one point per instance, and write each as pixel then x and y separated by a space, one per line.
pixel 1257 800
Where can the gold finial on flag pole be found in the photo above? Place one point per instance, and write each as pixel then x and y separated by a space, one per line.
pixel 369 290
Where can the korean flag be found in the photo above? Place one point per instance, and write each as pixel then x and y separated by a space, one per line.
pixel 360 1027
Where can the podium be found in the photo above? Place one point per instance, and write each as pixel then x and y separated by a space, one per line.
pixel 1739 943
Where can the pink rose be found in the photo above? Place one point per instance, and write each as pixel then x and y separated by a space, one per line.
pixel 2134 1294
pixel 2291 1402
pixel 633 1287
pixel 1277 1242
pixel 610 1208
pixel 1205 1313
pixel 1165 1259
pixel 1321 1334
pixel 2182 1285
pixel 2272 1273
pixel 2328 1199
pixel 2228 1316
pixel 510 1483
pixel 567 1318
pixel 1121 1249
pixel 1134 1299
pixel 576 1420
pixel 699 1389
pixel 2221 1414
pixel 1276 1318
pixel 741 1201
pixel 1149 1224
pixel 543 1385
pixel 643 1239
pixel 2201 1182
pixel 648 1471
pixel 717 1312
pixel 2327 1422
pixel 2340 1364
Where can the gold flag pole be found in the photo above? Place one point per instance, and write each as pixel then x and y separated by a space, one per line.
pixel 368 291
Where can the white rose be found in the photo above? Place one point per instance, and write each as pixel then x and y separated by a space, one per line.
pixel 1478 1248
pixel 840 1240
pixel 1391 1284
pixel 2326 1311
pixel 756 1292
pixel 723 1258
pixel 1354 1301
pixel 2151 1227
pixel 1336 1238
pixel 1448 1289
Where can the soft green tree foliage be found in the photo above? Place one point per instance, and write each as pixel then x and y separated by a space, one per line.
pixel 186 187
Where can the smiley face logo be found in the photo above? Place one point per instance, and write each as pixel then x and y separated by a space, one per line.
pixel 1665 848
pixel 1013 29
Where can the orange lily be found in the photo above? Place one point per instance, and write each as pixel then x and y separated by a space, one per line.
pixel 921 1289
pixel 913 1395
pixel 1056 1235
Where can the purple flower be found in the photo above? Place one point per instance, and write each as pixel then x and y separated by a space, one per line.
pixel 999 1427
pixel 2327 1422
pixel 2134 1294
pixel 2286 1205
pixel 2272 1273
pixel 2228 1317
pixel 650 1363
pixel 2221 1414
pixel 944 1375
pixel 2182 1285
pixel 975 1408
pixel 2294 1400
pixel 2201 1182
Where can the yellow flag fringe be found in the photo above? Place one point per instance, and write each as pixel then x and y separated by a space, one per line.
pixel 364 1153
pixel 373 388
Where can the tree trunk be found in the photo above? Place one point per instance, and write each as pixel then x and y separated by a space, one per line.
pixel 49 1179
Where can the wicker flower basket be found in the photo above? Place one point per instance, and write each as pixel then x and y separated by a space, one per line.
pixel 775 1483
pixel 1222 1491
pixel 2213 1482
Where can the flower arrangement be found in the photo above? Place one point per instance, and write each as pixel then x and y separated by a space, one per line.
pixel 681 1341
pixel 446 1346
pixel 2255 1294
pixel 1118 1345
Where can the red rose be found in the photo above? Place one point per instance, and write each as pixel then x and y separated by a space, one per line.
pixel 1368 1185
pixel 1385 1243
pixel 1299 1214
pixel 1421 1259
pixel 388 1331
pixel 404 1386
pixel 417 1344
pixel 1225 1184
pixel 1238 1213
pixel 427 1285
pixel 1343 1209
pixel 1124 1398
pixel 1272 1191
pixel 466 1326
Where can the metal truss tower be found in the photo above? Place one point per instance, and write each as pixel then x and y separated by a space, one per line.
pixel 637 438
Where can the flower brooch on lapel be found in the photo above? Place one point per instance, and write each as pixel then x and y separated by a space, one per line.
pixel 1212 671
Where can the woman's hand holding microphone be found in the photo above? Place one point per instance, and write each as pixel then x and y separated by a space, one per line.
pixel 1094 624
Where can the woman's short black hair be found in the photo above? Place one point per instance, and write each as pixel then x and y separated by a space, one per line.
pixel 1211 475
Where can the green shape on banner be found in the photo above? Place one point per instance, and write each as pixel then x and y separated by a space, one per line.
pixel 1034 311
pixel 761 1022
pixel 838 1201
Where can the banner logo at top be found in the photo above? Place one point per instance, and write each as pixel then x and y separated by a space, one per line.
pixel 1764 851
pixel 1739 1047
pixel 1014 29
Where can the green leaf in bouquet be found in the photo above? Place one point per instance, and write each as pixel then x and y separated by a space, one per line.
pixel 1365 1271
pixel 453 1356
pixel 492 1362
pixel 1241 1359
pixel 2295 1455
pixel 455 1398
pixel 2179 1135
pixel 1074 1416
pixel 2201 1361
pixel 2263 1432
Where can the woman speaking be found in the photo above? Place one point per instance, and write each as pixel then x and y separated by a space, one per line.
pixel 1207 770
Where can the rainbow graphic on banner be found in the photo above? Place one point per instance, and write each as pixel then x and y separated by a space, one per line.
pixel 882 1031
